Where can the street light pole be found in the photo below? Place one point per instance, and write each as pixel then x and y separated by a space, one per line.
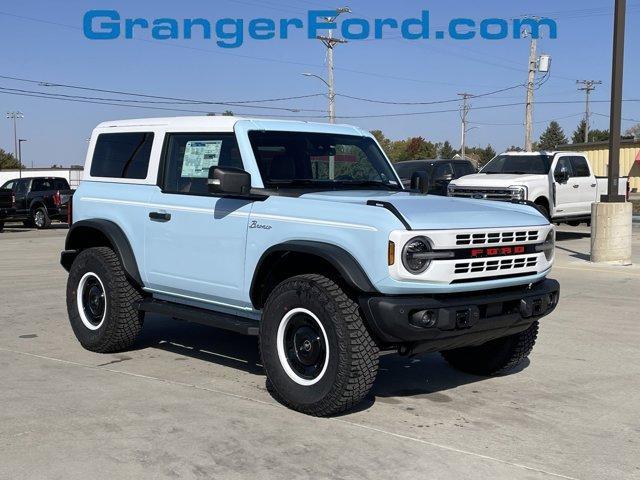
pixel 611 218
pixel 20 140
pixel 616 103
pixel 15 116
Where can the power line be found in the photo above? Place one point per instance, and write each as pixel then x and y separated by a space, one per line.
pixel 116 104
pixel 142 95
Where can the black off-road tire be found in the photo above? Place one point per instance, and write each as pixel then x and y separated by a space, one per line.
pixel 544 210
pixel 1 226
pixel 40 218
pixel 495 357
pixel 352 361
pixel 122 320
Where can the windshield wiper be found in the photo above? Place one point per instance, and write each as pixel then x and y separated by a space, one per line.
pixel 369 183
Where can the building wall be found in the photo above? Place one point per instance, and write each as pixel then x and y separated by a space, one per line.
pixel 598 156
pixel 73 175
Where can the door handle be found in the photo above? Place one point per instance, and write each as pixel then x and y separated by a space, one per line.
pixel 576 186
pixel 593 185
pixel 160 216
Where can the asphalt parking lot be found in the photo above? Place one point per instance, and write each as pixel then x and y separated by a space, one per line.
pixel 190 401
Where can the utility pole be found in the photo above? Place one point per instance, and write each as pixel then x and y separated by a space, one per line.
pixel 464 110
pixel 587 86
pixel 15 116
pixel 330 42
pixel 533 64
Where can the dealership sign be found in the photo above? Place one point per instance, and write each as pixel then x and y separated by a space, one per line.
pixel 231 32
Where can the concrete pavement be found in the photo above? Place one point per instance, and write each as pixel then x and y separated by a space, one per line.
pixel 190 401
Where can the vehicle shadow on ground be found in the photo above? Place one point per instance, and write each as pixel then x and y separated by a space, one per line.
pixel 201 342
pixel 575 254
pixel 564 235
pixel 425 376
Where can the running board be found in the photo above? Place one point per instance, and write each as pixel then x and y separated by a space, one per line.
pixel 224 321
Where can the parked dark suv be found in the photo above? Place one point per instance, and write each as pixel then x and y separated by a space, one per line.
pixel 439 171
pixel 38 200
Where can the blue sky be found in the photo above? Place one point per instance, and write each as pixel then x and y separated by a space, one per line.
pixel 55 50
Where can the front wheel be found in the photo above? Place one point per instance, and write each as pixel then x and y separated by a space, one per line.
pixel 496 356
pixel 102 303
pixel 316 350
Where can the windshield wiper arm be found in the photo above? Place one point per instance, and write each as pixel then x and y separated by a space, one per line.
pixel 369 183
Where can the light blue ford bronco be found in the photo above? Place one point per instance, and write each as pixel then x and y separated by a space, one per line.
pixel 300 233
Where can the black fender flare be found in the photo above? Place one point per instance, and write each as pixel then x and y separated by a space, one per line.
pixel 79 237
pixel 347 266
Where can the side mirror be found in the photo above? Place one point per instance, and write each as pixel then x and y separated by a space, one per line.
pixel 420 182
pixel 229 180
pixel 562 176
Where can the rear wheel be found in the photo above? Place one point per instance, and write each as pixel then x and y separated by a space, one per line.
pixel 317 353
pixel 41 218
pixel 102 303
pixel 494 357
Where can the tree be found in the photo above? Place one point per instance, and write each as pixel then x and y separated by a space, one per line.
pixel 578 134
pixel 7 160
pixel 552 136
pixel 595 135
pixel 417 148
pixel 634 131
pixel 446 151
pixel 384 142
pixel 227 113
pixel 513 148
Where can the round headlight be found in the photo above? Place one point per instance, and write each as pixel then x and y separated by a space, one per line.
pixel 548 246
pixel 414 256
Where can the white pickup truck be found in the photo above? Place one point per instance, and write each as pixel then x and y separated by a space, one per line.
pixel 561 184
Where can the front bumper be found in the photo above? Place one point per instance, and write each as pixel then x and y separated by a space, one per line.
pixel 458 320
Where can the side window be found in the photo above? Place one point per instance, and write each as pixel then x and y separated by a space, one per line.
pixel 122 155
pixel 442 169
pixel 580 167
pixel 462 168
pixel 21 187
pixel 189 156
pixel 564 163
pixel 8 185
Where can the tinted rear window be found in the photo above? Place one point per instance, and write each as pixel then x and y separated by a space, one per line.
pixel 122 155
pixel 42 184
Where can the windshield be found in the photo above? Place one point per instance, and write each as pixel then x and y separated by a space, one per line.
pixel 321 160
pixel 519 164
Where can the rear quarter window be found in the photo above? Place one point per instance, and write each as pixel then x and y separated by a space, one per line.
pixel 122 155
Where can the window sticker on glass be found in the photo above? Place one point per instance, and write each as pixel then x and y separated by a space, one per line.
pixel 199 156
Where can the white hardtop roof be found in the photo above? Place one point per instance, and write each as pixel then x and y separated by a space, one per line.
pixel 542 152
pixel 227 123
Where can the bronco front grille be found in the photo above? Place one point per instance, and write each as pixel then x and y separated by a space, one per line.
pixel 496 238
pixel 479 266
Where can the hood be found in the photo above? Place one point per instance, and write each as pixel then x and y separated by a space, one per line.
pixel 433 212
pixel 494 179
